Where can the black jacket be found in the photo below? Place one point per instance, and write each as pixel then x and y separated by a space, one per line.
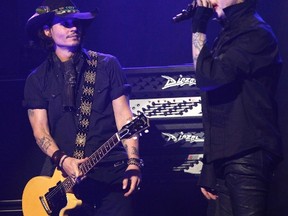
pixel 239 80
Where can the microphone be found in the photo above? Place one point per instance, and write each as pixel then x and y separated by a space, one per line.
pixel 186 13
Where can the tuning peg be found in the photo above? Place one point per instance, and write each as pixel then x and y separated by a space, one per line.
pixel 146 131
pixel 135 137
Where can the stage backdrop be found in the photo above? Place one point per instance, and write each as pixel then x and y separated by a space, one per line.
pixel 139 33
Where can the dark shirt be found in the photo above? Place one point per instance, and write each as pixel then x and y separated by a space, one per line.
pixel 44 90
pixel 239 80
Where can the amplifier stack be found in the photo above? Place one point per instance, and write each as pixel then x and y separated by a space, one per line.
pixel 168 96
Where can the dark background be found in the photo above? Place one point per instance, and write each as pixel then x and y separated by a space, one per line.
pixel 139 33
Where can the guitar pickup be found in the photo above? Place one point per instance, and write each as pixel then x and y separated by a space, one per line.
pixel 45 205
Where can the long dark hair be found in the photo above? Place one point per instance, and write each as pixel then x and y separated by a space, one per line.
pixel 45 42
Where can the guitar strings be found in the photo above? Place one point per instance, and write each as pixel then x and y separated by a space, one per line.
pixel 68 183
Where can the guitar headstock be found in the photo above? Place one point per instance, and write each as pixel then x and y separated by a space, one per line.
pixel 134 127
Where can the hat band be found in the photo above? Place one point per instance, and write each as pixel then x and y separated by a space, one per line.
pixel 65 10
pixel 58 11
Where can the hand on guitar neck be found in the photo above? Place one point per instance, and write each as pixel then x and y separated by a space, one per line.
pixel 70 167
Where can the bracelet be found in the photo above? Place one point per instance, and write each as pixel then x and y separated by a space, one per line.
pixel 136 161
pixel 62 161
pixel 56 157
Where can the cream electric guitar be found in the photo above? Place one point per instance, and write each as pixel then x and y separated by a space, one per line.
pixel 43 195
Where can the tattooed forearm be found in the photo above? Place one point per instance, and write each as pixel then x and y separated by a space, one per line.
pixel 44 143
pixel 195 59
pixel 198 41
pixel 132 151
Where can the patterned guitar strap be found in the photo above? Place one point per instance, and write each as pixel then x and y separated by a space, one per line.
pixel 86 105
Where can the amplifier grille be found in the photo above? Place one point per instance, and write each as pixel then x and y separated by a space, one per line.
pixel 168 107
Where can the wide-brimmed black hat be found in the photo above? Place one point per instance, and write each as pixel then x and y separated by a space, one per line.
pixel 50 8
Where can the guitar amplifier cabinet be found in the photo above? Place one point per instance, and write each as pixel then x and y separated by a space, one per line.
pixel 168 96
pixel 10 208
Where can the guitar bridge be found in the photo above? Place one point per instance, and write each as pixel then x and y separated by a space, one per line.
pixel 45 205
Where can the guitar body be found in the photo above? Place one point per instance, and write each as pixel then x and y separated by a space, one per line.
pixel 50 196
pixel 39 186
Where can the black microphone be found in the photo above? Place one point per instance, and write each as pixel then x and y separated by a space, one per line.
pixel 186 13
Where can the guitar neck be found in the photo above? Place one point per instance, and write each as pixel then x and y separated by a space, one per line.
pixel 97 156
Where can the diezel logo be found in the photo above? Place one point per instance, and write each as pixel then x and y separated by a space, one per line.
pixel 188 137
pixel 181 81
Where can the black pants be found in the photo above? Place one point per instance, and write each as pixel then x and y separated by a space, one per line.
pixel 104 196
pixel 243 184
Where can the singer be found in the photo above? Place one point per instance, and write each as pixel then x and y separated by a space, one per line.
pixel 238 78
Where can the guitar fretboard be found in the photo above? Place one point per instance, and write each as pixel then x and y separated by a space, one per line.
pixel 85 167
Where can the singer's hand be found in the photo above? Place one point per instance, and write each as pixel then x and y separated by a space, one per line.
pixel 204 3
pixel 209 195
pixel 202 15
pixel 200 20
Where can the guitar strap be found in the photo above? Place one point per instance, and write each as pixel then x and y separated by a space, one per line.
pixel 85 108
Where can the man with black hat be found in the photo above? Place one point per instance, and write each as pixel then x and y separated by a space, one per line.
pixel 238 78
pixel 76 100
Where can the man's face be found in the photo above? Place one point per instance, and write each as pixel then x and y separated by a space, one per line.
pixel 219 5
pixel 65 32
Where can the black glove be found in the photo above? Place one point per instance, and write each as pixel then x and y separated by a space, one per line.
pixel 201 18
